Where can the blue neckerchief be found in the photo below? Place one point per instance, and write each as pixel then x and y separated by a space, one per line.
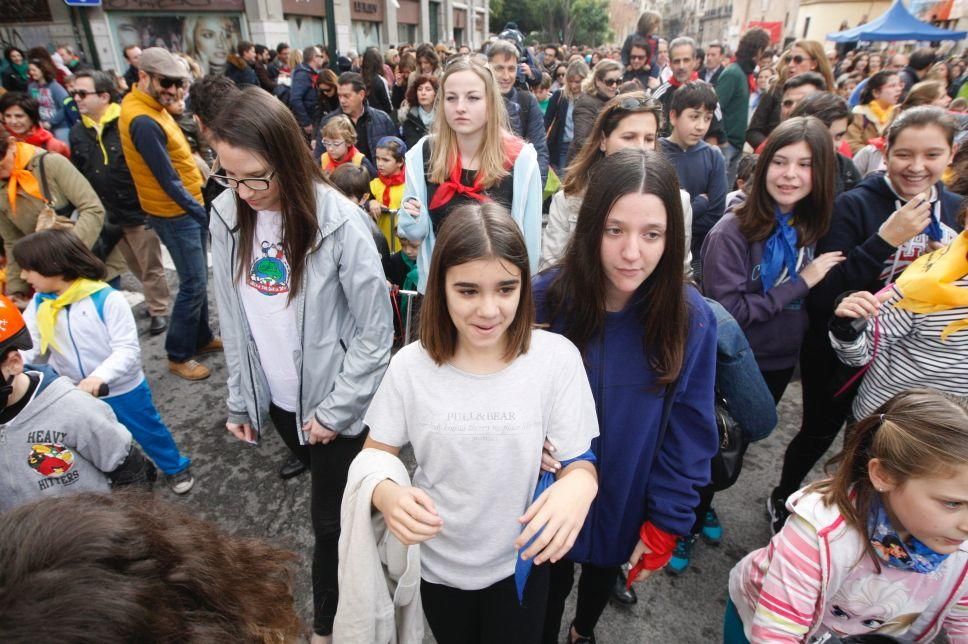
pixel 779 250
pixel 933 230
pixel 45 296
pixel 892 550
pixel 522 567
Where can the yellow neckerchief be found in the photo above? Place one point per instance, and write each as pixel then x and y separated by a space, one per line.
pixel 112 113
pixel 880 113
pixel 926 285
pixel 51 305
pixel 21 177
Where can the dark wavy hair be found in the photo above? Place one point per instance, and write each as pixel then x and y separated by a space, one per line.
pixel 417 81
pixel 811 215
pixel 58 253
pixel 24 101
pixel 576 295
pixel 123 567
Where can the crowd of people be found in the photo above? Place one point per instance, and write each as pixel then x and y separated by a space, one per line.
pixel 616 261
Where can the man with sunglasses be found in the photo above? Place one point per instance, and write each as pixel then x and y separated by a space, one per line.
pixel 169 187
pixel 97 153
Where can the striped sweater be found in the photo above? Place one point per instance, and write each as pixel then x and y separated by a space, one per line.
pixel 793 589
pixel 910 353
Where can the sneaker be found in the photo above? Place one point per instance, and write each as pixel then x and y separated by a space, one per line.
pixel 776 508
pixel 681 555
pixel 182 482
pixel 214 346
pixel 189 370
pixel 712 531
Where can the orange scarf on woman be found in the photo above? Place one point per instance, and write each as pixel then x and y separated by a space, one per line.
pixel 21 177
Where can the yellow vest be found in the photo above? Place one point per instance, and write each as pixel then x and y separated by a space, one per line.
pixel 154 200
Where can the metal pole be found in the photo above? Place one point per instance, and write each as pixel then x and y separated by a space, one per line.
pixel 89 37
pixel 331 33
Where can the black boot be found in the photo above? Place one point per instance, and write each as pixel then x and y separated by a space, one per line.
pixel 621 594
pixel 291 467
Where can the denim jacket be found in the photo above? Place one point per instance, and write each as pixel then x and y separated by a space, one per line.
pixel 738 379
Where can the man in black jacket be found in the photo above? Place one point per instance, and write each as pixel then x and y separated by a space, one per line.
pixel 96 152
pixel 241 66
pixel 371 124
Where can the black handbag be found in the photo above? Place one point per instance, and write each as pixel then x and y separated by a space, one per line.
pixel 728 460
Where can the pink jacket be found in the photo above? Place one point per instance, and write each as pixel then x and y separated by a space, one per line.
pixel 781 591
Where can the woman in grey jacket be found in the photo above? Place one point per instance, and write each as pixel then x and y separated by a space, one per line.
pixel 303 308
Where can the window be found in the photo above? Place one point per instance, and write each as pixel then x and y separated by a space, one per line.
pixel 406 33
pixel 434 22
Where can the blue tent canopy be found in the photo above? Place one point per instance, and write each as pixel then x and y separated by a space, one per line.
pixel 896 23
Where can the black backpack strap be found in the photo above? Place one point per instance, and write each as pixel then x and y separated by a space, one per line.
pixel 524 105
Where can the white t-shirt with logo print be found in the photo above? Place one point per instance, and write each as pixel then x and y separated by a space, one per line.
pixel 272 321
pixel 477 440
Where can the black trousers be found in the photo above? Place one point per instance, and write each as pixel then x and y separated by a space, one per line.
pixel 823 412
pixel 594 589
pixel 490 615
pixel 328 465
pixel 777 382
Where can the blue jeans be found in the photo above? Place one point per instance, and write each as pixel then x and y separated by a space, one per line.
pixel 731 155
pixel 733 626
pixel 186 241
pixel 136 411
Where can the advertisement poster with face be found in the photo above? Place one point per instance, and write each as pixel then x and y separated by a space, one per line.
pixel 207 38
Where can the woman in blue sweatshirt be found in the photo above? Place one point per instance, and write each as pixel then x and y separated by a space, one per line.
pixel 881 226
pixel 619 295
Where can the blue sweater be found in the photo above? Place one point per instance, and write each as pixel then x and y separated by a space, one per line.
pixel 629 407
pixel 701 171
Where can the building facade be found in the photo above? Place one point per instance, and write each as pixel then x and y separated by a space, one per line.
pixel 209 30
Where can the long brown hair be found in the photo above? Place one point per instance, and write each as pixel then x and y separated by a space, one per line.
pixel 133 568
pixel 472 232
pixel 491 155
pixel 256 121
pixel 577 294
pixel 811 215
pixel 917 433
pixel 612 114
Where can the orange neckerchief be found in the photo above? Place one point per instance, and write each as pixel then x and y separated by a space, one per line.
pixel 331 164
pixel 390 180
pixel 21 177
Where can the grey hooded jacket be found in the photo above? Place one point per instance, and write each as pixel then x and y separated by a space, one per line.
pixel 343 320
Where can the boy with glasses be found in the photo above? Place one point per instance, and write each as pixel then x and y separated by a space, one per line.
pixel 169 187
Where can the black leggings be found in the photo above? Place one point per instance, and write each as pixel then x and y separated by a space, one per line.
pixel 490 615
pixel 328 465
pixel 823 413
pixel 777 382
pixel 594 589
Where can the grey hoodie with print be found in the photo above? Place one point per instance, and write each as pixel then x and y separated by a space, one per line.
pixel 64 441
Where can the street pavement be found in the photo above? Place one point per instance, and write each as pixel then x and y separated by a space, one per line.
pixel 237 486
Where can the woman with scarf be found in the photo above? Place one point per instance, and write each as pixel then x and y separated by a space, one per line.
pixel 21 120
pixel 51 98
pixel 882 226
pixel 15 79
pixel 469 156
pixel 422 97
pixel 876 109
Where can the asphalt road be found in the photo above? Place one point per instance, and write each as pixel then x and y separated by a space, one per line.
pixel 237 487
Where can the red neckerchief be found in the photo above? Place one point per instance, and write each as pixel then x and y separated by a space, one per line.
pixel 751 79
pixel 453 186
pixel 332 164
pixel 661 544
pixel 395 179
pixel 677 84
pixel 878 143
pixel 38 136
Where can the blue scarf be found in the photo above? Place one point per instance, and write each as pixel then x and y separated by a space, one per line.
pixel 893 551
pixel 780 250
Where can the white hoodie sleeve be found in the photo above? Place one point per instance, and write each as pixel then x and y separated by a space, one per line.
pixel 123 336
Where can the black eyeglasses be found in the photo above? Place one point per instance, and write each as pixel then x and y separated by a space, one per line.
pixel 611 82
pixel 257 184
pixel 81 93
pixel 168 83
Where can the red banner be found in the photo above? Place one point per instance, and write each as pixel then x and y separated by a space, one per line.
pixel 775 29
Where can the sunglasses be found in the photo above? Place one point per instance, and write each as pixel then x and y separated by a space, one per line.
pixel 168 83
pixel 636 57
pixel 798 59
pixel 632 103
pixel 81 93
pixel 611 82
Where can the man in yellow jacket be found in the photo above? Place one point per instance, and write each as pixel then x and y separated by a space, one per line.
pixel 169 187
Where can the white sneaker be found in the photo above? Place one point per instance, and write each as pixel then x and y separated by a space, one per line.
pixel 182 482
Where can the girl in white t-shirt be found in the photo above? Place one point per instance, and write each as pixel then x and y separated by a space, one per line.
pixel 476 398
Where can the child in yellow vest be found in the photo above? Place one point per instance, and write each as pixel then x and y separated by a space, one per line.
pixel 387 188
pixel 339 139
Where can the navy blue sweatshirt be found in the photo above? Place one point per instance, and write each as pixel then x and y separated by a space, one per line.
pixel 629 405
pixel 871 263
pixel 701 171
